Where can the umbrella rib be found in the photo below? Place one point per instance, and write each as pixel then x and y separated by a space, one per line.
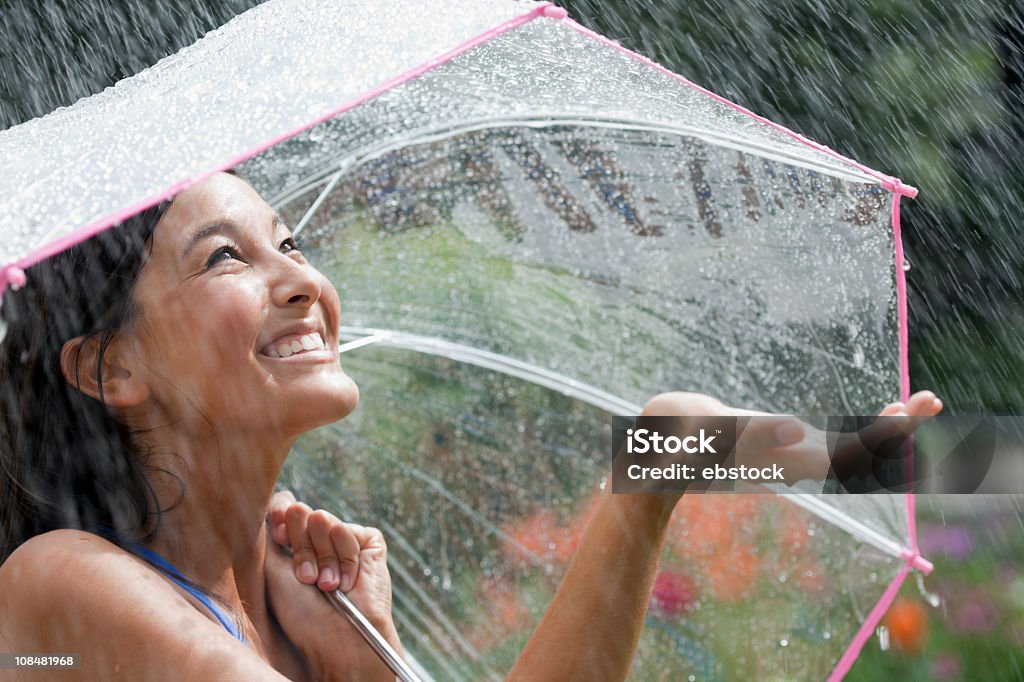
pixel 319 200
pixel 427 135
pixel 836 517
pixel 364 336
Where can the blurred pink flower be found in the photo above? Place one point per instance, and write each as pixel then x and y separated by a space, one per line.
pixel 673 593
pixel 945 666
pixel 955 542
pixel 976 614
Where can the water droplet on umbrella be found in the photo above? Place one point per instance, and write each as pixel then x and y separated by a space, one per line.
pixel 883 637
pixel 932 598
pixel 906 265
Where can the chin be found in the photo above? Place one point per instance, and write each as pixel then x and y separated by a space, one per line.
pixel 338 404
pixel 350 401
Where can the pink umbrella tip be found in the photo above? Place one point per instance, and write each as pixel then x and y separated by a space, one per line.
pixel 555 12
pixel 896 185
pixel 12 275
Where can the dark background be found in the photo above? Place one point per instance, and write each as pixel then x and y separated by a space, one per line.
pixel 928 91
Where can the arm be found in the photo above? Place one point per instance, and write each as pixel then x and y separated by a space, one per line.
pixel 592 626
pixel 73 592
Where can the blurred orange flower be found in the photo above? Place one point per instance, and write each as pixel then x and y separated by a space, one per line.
pixel 541 536
pixel 907 623
pixel 506 614
pixel 731 574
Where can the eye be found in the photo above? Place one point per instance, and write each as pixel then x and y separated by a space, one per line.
pixel 289 245
pixel 222 254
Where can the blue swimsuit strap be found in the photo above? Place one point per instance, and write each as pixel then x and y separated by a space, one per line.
pixel 171 572
pixel 181 581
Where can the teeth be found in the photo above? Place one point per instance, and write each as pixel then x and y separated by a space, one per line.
pixel 303 343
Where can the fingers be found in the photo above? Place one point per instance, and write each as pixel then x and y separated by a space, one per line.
pixel 923 404
pixel 325 550
pixel 904 418
pixel 279 504
pixel 684 405
pixel 303 551
pixel 337 551
pixel 899 423
pixel 892 409
pixel 767 432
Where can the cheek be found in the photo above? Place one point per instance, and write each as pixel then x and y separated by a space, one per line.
pixel 218 326
pixel 331 303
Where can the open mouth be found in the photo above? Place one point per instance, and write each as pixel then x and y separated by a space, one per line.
pixel 294 344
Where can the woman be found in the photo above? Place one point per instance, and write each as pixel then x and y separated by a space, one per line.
pixel 174 388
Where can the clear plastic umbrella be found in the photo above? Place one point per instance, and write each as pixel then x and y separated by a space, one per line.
pixel 531 229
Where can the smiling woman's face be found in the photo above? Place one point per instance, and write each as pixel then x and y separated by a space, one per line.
pixel 233 323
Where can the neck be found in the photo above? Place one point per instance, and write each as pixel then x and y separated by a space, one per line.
pixel 215 492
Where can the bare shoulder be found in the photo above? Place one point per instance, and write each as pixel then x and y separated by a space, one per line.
pixel 69 591
pixel 53 554
pixel 64 567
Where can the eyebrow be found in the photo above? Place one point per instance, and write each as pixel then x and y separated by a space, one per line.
pixel 219 228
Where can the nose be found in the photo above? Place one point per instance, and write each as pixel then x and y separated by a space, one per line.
pixel 294 283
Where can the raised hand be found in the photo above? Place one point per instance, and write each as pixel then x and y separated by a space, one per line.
pixel 328 554
pixel 804 451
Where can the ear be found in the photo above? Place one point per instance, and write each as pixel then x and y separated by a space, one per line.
pixel 79 360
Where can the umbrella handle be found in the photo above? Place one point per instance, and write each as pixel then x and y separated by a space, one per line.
pixel 376 640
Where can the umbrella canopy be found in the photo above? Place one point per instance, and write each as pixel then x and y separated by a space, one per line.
pixel 531 229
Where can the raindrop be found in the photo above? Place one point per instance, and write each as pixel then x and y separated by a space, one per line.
pixel 906 265
pixel 883 637
pixel 932 598
pixel 826 635
pixel 784 642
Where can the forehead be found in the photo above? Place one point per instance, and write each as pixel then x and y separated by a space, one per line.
pixel 221 197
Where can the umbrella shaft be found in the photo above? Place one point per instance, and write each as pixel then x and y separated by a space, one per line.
pixel 376 641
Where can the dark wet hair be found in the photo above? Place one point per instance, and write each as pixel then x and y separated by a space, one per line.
pixel 65 462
